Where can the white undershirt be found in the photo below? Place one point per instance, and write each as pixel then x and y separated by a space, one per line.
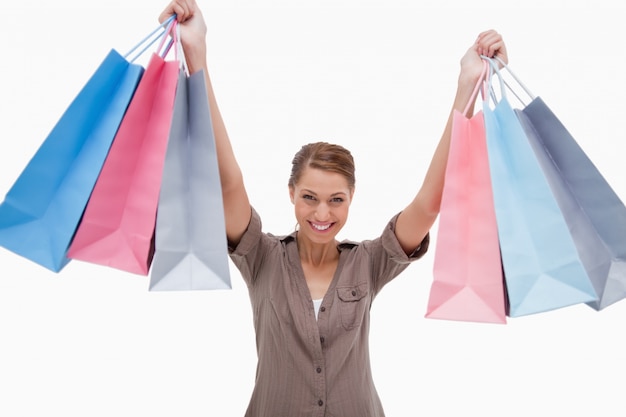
pixel 316 306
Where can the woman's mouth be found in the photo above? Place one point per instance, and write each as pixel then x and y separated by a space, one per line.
pixel 321 227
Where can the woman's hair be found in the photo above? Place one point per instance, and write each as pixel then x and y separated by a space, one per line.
pixel 324 156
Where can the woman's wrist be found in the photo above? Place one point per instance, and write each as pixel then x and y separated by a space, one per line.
pixel 195 56
pixel 469 79
pixel 195 64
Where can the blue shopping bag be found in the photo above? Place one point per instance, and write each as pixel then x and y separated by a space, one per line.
pixel 595 214
pixel 43 208
pixel 542 268
pixel 117 227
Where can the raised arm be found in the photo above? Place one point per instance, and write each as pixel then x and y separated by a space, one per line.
pixel 237 209
pixel 418 217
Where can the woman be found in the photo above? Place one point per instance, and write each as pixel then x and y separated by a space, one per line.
pixel 311 294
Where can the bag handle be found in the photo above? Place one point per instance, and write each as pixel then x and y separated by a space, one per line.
pixel 479 83
pixel 516 78
pixel 181 52
pixel 495 68
pixel 174 41
pixel 494 71
pixel 170 33
pixel 150 39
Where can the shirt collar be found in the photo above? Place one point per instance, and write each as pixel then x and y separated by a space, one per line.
pixel 344 244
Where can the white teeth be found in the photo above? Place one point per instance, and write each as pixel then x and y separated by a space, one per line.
pixel 321 227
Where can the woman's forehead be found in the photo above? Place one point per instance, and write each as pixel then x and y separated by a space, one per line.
pixel 318 180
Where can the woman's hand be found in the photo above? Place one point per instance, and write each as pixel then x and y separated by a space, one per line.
pixel 489 44
pixel 192 31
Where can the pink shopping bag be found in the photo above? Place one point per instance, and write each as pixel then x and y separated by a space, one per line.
pixel 468 283
pixel 118 225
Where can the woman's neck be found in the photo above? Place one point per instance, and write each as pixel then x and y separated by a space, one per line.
pixel 316 254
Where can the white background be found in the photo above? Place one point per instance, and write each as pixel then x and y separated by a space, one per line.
pixel 375 76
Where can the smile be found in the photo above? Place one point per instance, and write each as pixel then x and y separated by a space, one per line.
pixel 321 227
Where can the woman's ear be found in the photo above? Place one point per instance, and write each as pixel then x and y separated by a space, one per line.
pixel 291 194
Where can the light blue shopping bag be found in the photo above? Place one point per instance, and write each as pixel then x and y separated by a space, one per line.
pixel 593 211
pixel 542 267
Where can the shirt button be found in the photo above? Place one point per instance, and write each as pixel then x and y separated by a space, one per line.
pixel 320 403
pixel 319 370
pixel 353 293
pixel 323 309
pixel 322 339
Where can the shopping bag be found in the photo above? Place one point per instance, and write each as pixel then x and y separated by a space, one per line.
pixel 118 224
pixel 41 211
pixel 468 284
pixel 190 239
pixel 542 268
pixel 594 213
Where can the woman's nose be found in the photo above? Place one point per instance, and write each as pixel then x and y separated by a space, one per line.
pixel 322 213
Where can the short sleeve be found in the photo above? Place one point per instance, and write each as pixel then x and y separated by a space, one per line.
pixel 250 237
pixel 248 254
pixel 392 245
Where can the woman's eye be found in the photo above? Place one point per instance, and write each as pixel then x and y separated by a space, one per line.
pixel 308 197
pixel 337 200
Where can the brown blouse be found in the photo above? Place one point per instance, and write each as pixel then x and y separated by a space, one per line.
pixel 309 367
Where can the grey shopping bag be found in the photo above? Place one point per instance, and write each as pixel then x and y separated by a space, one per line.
pixel 595 215
pixel 190 235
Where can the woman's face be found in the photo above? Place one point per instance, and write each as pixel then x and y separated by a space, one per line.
pixel 321 200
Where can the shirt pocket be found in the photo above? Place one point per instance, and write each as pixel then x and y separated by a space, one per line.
pixel 353 302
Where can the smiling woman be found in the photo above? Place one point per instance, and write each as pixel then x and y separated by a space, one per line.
pixel 316 366
pixel 321 187
pixel 378 78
